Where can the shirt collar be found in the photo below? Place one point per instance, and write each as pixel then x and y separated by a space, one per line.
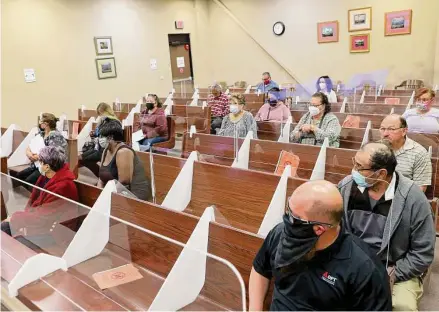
pixel 390 191
pixel 408 145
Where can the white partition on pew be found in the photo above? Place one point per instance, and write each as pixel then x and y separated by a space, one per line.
pixel 319 170
pixel 115 259
pixel 6 141
pixel 19 157
pixel 243 155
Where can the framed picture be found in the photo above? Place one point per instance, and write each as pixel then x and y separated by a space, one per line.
pixel 360 19
pixel 103 45
pixel 398 23
pixel 360 43
pixel 327 32
pixel 106 68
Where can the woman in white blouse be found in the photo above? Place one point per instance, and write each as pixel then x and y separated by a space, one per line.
pixel 324 85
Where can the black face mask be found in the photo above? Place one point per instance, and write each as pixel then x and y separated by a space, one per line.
pixel 296 241
pixel 272 103
pixel 150 106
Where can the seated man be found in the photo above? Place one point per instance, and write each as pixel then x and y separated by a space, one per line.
pixel 275 109
pixel 315 263
pixel 267 84
pixel 414 161
pixel 43 209
pixel 391 214
pixel 219 104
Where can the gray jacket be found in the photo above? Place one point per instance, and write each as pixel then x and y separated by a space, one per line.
pixel 412 234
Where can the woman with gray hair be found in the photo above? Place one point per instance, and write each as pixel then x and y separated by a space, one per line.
pixel 41 212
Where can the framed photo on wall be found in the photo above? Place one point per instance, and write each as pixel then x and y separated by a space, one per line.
pixel 398 23
pixel 106 68
pixel 360 43
pixel 327 32
pixel 103 45
pixel 360 19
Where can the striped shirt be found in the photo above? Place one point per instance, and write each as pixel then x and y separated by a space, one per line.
pixel 243 126
pixel 219 105
pixel 414 162
pixel 329 128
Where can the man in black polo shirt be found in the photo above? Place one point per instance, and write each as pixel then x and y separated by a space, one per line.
pixel 315 263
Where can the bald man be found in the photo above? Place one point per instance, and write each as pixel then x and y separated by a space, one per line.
pixel 414 162
pixel 315 263
pixel 393 216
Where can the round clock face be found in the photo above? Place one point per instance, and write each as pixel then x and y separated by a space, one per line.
pixel 278 28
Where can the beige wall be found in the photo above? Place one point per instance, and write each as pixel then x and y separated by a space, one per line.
pixel 410 56
pixel 55 37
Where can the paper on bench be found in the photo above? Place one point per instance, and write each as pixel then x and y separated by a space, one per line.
pixel 138 136
pixel 285 135
pixel 84 135
pixel 186 278
pixel 180 193
pixel 33 269
pixel 276 209
pixel 19 157
pixel 94 232
pixel 318 173
pixel 36 144
pixel 6 141
pixel 244 153
pixel 117 276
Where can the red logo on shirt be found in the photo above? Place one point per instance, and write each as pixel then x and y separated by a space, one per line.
pixel 329 278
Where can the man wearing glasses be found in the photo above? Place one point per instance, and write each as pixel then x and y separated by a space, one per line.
pixel 393 216
pixel 414 162
pixel 316 264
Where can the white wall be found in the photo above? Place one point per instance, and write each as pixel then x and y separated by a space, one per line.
pixel 408 56
pixel 55 37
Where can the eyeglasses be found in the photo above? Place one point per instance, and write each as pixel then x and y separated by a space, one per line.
pixel 309 104
pixel 382 129
pixel 297 220
pixel 355 166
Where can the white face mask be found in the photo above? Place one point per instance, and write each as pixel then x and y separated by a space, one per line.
pixel 103 142
pixel 41 170
pixel 322 86
pixel 314 111
pixel 234 109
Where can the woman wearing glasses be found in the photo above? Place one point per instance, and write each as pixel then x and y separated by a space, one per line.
pixel 317 124
pixel 424 118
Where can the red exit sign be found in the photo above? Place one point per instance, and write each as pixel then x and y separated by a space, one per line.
pixel 179 24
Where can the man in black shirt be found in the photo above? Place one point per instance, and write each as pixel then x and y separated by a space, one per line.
pixel 315 263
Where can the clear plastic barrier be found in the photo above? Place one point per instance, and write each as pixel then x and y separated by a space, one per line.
pixel 122 265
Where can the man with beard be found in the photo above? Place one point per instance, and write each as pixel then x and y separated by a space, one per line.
pixel 315 263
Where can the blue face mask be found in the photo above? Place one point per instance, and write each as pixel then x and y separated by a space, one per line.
pixel 360 179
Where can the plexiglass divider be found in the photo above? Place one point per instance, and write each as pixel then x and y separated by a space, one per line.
pixel 129 265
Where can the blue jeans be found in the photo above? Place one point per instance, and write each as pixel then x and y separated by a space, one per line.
pixel 145 144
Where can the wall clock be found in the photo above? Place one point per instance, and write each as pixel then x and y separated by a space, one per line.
pixel 279 28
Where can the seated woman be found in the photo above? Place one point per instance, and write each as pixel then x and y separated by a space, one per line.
pixel 43 208
pixel 238 119
pixel 317 124
pixel 274 110
pixel 52 137
pixel 91 156
pixel 324 85
pixel 120 162
pixel 424 118
pixel 153 123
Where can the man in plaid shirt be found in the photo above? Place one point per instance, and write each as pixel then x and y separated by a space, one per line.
pixel 219 104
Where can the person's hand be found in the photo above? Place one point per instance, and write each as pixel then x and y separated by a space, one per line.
pixel 34 157
pixel 306 128
pixel 297 135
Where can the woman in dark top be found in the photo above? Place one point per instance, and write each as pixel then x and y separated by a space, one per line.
pixel 120 162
